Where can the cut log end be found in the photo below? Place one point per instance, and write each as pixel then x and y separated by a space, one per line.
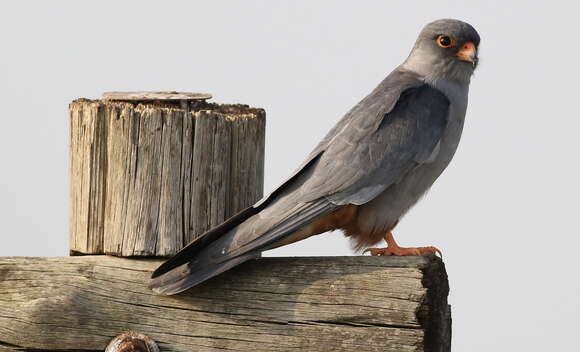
pixel 153 96
pixel 232 111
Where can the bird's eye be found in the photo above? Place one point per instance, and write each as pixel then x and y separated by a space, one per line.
pixel 445 41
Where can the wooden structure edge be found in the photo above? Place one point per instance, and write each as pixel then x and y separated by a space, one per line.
pixel 269 304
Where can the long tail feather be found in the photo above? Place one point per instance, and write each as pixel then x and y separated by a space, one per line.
pixel 207 258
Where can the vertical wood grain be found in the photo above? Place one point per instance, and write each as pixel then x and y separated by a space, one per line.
pixel 148 178
pixel 87 173
pixel 211 172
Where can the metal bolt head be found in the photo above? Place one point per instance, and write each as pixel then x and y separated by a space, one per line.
pixel 132 342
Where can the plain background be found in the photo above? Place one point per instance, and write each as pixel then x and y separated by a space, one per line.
pixel 505 213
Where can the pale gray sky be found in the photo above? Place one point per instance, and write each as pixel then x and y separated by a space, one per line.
pixel 504 213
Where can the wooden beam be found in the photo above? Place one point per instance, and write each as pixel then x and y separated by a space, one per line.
pixel 269 304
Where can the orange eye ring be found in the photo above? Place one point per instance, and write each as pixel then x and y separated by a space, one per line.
pixel 445 41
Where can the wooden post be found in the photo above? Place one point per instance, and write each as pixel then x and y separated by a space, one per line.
pixel 150 171
pixel 391 304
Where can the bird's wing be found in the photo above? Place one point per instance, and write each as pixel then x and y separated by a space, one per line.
pixel 381 100
pixel 384 136
pixel 380 144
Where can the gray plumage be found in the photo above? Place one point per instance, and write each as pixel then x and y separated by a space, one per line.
pixel 381 157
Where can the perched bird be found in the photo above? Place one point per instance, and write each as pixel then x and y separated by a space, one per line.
pixel 375 164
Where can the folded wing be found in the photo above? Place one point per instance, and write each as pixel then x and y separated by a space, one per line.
pixel 374 145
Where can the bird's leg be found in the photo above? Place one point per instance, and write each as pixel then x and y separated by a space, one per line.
pixel 394 249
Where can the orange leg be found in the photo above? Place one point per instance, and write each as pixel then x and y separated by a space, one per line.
pixel 394 249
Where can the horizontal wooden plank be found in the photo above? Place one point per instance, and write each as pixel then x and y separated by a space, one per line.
pixel 269 304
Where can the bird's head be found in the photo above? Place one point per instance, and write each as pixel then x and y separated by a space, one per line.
pixel 445 49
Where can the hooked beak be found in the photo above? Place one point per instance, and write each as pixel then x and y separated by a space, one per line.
pixel 468 53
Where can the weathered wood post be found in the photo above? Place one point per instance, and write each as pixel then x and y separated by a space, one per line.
pixel 149 171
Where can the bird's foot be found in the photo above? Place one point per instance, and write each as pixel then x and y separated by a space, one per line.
pixel 394 249
pixel 403 251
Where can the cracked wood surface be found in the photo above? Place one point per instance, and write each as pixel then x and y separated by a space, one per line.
pixel 147 178
pixel 269 304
